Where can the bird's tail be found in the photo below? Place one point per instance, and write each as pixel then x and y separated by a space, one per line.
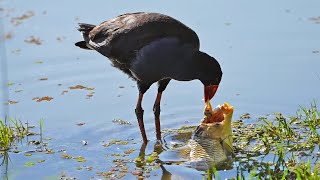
pixel 83 45
pixel 85 29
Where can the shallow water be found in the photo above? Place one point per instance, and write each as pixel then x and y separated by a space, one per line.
pixel 269 53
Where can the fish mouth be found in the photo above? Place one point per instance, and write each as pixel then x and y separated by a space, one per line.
pixel 220 114
pixel 216 123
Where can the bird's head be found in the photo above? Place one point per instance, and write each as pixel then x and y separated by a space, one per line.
pixel 210 74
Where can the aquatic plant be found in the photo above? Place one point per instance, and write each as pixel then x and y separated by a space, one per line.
pixel 276 147
pixel 282 148
pixel 10 132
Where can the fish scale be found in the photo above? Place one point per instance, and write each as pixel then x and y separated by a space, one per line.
pixel 211 150
pixel 211 143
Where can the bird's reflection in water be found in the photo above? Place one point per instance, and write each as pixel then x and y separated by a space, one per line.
pixel 184 158
pixel 141 161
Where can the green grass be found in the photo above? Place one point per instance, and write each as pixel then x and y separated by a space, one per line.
pixel 6 136
pixel 11 130
pixel 41 130
pixel 280 148
pixel 275 147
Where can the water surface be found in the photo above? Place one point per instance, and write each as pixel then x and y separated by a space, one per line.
pixel 269 53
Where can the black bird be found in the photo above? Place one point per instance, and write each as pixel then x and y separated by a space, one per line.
pixel 149 48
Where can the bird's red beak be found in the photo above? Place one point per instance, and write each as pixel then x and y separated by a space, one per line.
pixel 209 92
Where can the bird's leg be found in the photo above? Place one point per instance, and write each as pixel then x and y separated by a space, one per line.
pixel 156 110
pixel 139 114
pixel 162 84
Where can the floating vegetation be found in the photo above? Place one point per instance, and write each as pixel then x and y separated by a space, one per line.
pixel 276 147
pixel 49 151
pixel 80 124
pixel 286 141
pixel 129 151
pixel 41 161
pixel 45 98
pixel 89 89
pixel 43 79
pixel 81 87
pixel 245 116
pixel 29 164
pixel 17 91
pixel 10 83
pixel 80 158
pixel 60 39
pixel 121 122
pixel 16 51
pixel 315 20
pixel 88 168
pixel 39 62
pixel 12 102
pixel 152 157
pixel 115 142
pixel 20 19
pixel 90 95
pixel 64 92
pixel 66 156
pixel 8 35
pixel 33 40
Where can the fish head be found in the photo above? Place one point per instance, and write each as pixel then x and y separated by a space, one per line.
pixel 217 123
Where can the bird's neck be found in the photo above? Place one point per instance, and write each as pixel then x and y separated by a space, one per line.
pixel 186 70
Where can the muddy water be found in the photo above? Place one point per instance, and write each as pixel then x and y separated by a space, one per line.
pixel 269 54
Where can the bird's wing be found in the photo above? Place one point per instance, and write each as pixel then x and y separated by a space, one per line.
pixel 122 36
